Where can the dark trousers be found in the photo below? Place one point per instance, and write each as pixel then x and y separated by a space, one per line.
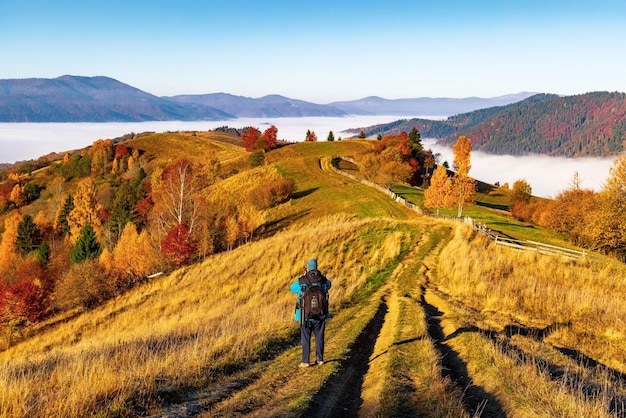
pixel 317 326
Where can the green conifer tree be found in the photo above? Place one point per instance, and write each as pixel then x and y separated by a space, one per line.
pixel 63 225
pixel 86 247
pixel 28 235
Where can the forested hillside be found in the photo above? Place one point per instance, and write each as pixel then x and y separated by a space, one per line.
pixel 591 124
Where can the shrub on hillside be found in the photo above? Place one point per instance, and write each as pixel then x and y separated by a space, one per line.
pixel 85 284
pixel 273 193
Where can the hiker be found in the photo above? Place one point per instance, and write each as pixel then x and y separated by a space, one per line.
pixel 312 310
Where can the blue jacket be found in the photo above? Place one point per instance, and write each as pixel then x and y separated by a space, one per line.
pixel 298 288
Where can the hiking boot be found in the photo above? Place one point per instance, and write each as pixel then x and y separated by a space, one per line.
pixel 304 365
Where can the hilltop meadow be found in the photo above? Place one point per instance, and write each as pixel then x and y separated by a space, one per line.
pixel 136 309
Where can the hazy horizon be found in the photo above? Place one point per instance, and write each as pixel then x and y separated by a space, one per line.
pixel 546 175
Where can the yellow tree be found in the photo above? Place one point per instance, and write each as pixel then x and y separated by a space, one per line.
pixel 17 196
pixel 613 203
pixel 8 256
pixel 463 187
pixel 86 209
pixel 100 153
pixel 134 256
pixel 462 149
pixel 439 193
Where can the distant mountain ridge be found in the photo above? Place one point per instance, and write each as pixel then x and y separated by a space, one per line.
pixel 590 124
pixel 266 106
pixel 424 106
pixel 103 99
pixel 90 99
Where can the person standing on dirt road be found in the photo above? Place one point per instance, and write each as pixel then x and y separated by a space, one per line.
pixel 311 322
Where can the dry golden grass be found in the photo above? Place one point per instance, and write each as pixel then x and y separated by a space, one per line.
pixel 163 148
pixel 189 328
pixel 486 292
pixel 583 301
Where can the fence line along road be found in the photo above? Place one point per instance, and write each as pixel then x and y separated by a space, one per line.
pixel 524 245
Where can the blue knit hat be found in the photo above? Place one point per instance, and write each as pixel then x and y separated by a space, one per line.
pixel 311 264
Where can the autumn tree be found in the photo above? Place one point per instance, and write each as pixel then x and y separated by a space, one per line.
pixel 125 262
pixel 100 152
pixel 520 192
pixel 251 138
pixel 272 193
pixel 22 302
pixel 86 209
pixel 311 136
pixel 439 193
pixel 178 245
pixel 568 213
pixel 270 136
pixel 176 200
pixel 8 259
pixel 612 199
pixel 462 150
pixel 121 151
pixel 84 284
pixel 463 187
pixel 17 196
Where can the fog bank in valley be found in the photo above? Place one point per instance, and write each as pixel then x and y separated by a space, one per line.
pixel 546 175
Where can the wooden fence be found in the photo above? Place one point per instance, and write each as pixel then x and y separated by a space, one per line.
pixel 523 245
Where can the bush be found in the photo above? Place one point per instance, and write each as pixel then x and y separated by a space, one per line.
pixel 257 158
pixel 271 194
pixel 85 284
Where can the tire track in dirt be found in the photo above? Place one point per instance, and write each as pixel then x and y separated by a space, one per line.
pixel 341 394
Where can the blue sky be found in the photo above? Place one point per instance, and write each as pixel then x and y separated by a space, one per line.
pixel 322 51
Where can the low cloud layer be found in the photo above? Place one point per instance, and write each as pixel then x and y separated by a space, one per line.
pixel 546 175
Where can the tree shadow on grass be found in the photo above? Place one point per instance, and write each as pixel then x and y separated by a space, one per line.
pixel 303 193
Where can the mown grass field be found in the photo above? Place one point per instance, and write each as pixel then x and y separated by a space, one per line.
pixel 429 319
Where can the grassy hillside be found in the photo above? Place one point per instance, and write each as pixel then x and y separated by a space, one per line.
pixel 428 319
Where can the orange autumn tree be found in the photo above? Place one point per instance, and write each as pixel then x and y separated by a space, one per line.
pixel 391 161
pixel 124 262
pixel 463 186
pixel 439 193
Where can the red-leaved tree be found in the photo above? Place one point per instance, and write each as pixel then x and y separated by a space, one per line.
pixel 178 245
pixel 251 138
pixel 121 151
pixel 270 136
